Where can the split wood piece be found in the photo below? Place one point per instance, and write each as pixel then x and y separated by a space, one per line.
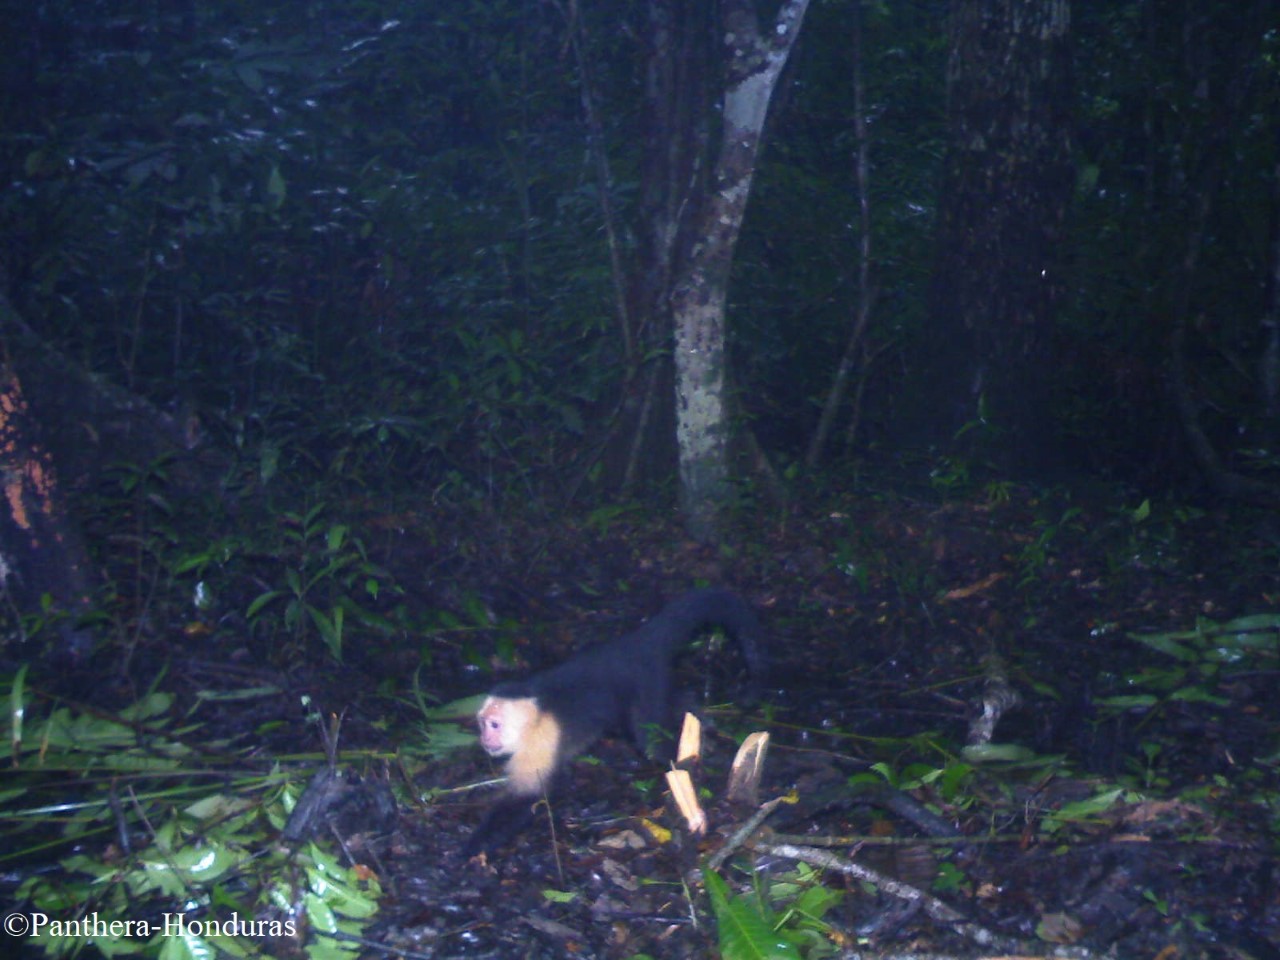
pixel 688 753
pixel 686 797
pixel 748 767
pixel 690 748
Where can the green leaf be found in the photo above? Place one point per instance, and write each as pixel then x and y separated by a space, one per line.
pixel 955 777
pixel 268 461
pixel 1199 695
pixel 330 629
pixel 339 888
pixel 244 693
pixel 1137 701
pixel 997 752
pixel 218 806
pixel 320 913
pixel 1165 643
pixel 337 533
pixel 150 706
pixel 745 932
pixel 887 772
pixel 276 189
pixel 187 946
pixel 816 900
pixel 1090 808
pixel 1253 622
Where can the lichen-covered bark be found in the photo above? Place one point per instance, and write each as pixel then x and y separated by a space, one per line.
pixel 755 63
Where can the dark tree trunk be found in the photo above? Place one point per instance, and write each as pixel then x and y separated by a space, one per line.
pixel 1226 103
pixel 861 312
pixel 1269 362
pixel 88 422
pixel 997 281
pixel 82 423
pixel 44 566
pixel 680 48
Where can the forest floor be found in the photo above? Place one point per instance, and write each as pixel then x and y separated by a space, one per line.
pixel 1125 803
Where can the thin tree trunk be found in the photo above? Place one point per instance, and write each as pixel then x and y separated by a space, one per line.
pixel 863 296
pixel 1269 364
pixel 1223 480
pixel 1202 179
pixel 754 64
pixel 604 180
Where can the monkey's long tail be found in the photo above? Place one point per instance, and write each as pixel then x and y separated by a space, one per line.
pixel 684 616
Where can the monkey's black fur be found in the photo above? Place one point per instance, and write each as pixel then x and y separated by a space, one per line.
pixel 623 687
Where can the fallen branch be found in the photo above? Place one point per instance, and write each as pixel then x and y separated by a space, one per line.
pixel 739 837
pixel 933 907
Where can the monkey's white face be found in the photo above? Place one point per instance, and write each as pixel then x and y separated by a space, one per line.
pixel 503 723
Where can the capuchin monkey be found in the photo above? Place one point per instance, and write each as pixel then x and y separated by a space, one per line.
pixel 623 687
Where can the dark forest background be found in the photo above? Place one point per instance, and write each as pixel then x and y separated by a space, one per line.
pixel 368 241
pixel 346 369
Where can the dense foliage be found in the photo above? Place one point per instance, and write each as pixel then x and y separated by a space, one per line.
pixel 370 235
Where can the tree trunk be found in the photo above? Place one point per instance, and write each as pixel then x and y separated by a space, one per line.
pixel 82 423
pixel 862 298
pixel 1269 362
pixel 677 107
pixel 1007 187
pixel 44 565
pixel 754 64
pixel 88 422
